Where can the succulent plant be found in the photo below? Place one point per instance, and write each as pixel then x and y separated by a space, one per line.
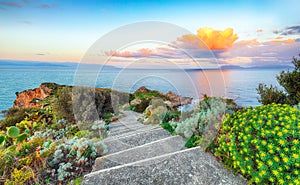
pixel 13 132
pixel 22 137
pixel 2 139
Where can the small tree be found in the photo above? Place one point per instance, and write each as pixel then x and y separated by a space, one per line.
pixel 290 81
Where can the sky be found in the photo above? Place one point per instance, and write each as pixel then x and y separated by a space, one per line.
pixel 244 33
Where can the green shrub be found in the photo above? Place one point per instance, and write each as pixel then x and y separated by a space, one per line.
pixel 270 95
pixel 62 104
pixel 170 116
pixel 170 126
pixel 15 115
pixel 206 120
pixel 73 154
pixel 290 81
pixel 193 141
pixel 262 143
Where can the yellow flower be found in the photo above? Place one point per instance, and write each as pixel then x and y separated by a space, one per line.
pixel 264 142
pixel 276 159
pixel 295 156
pixel 262 173
pixel 295 141
pixel 285 159
pixel 275 172
pixel 280 134
pixel 270 163
pixel 281 142
pixel 281 181
pixel 263 154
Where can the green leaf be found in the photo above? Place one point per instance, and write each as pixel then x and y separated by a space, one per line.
pixel 22 137
pixel 13 132
pixel 2 139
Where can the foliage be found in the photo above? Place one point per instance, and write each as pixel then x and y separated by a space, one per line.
pixel 148 95
pixel 270 95
pixel 13 132
pixel 28 147
pixel 193 141
pixel 290 81
pixel 20 176
pixel 15 115
pixel 75 156
pixel 297 106
pixel 62 104
pixel 206 120
pixel 158 112
pixel 170 116
pixel 170 126
pixel 262 143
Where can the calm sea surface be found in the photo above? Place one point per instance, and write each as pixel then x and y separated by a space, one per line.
pixel 238 84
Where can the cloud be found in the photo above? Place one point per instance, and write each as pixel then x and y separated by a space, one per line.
pixel 284 40
pixel 25 22
pixel 292 30
pixel 40 54
pixel 159 52
pixel 255 53
pixel 47 6
pixel 222 45
pixel 212 39
pixel 11 4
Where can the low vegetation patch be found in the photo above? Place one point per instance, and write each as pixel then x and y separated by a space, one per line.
pixel 262 143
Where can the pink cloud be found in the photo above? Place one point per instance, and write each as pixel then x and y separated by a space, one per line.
pixel 11 4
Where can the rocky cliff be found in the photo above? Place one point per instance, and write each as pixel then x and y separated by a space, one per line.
pixel 31 98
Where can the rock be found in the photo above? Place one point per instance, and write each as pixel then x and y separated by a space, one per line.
pixel 31 98
pixel 177 100
pixel 135 102
pixel 142 90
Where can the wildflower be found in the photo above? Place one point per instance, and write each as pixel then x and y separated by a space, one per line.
pixel 295 141
pixel 275 172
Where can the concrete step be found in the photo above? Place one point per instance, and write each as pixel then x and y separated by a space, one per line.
pixel 133 132
pixel 135 138
pixel 190 166
pixel 127 130
pixel 134 126
pixel 149 150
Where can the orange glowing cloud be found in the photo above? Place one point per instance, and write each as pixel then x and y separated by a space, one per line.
pixel 287 41
pixel 213 39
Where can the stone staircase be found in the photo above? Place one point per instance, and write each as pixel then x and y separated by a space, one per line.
pixel 145 154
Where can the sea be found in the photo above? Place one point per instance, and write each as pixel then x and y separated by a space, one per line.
pixel 239 84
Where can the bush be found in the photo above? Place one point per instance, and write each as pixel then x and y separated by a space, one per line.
pixel 290 81
pixel 169 126
pixel 15 115
pixel 270 95
pixel 74 157
pixel 206 121
pixel 62 105
pixel 262 143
